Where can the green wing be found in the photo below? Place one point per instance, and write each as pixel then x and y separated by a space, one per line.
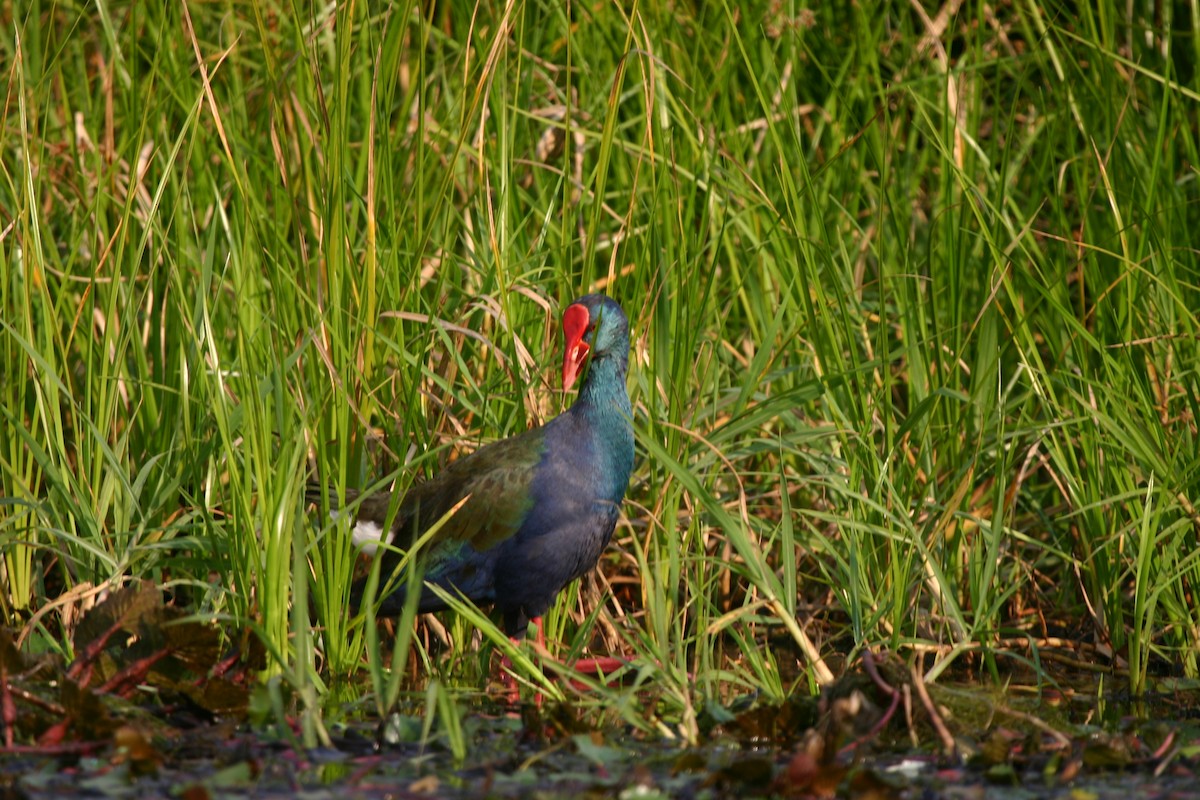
pixel 496 479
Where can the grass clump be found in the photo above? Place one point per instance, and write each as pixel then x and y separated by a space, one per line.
pixel 914 302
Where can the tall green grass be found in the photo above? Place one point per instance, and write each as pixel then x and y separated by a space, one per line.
pixel 914 301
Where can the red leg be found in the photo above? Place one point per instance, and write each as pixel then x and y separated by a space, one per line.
pixel 506 677
pixel 539 640
pixel 540 637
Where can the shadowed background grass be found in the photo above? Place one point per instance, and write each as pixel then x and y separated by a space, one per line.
pixel 914 294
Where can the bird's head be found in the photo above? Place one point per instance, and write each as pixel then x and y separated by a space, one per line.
pixel 593 325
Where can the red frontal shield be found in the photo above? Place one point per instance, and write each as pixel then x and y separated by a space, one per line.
pixel 575 325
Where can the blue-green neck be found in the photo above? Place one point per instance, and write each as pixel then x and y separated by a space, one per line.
pixel 603 392
pixel 604 402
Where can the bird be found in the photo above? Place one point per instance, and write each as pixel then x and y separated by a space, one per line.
pixel 534 511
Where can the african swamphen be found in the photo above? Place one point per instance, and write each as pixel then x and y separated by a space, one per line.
pixel 541 505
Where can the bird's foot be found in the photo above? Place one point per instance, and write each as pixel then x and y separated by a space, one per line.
pixel 600 665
